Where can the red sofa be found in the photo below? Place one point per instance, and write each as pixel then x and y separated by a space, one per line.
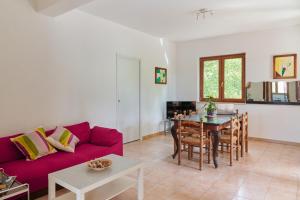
pixel 94 143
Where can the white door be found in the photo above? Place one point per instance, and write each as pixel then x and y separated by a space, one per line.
pixel 128 97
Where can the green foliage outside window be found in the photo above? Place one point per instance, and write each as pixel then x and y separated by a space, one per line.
pixel 211 79
pixel 233 78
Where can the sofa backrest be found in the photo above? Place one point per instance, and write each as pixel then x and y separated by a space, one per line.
pixel 8 151
pixel 82 131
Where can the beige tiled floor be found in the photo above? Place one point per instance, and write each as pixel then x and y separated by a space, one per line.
pixel 268 172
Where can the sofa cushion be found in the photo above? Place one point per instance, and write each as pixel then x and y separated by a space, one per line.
pixel 82 131
pixel 90 151
pixel 62 160
pixel 105 136
pixel 31 172
pixel 35 173
pixel 9 151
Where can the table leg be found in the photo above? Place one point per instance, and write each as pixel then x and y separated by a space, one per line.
pixel 216 140
pixel 51 188
pixel 140 184
pixel 175 138
pixel 80 196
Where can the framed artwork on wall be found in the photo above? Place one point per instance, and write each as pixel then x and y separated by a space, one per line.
pixel 160 75
pixel 285 66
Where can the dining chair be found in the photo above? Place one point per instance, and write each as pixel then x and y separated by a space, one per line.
pixel 232 139
pixel 243 134
pixel 226 109
pixel 197 137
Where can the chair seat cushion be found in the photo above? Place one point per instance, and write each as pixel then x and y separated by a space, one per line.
pixel 226 130
pixel 226 139
pixel 190 130
pixel 198 136
pixel 194 140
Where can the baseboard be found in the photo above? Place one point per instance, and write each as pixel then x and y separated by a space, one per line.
pixel 152 135
pixel 274 141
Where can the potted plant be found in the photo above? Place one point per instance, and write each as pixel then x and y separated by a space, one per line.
pixel 211 108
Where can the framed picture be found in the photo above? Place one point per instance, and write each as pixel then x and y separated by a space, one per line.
pixel 160 75
pixel 285 66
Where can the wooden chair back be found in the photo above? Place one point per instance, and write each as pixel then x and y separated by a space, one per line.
pixel 245 123
pixel 245 119
pixel 235 126
pixel 195 128
pixel 192 128
pixel 191 124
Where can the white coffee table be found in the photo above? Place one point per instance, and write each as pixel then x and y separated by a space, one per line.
pixel 87 184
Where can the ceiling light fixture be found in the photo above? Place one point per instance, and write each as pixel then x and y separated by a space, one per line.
pixel 203 12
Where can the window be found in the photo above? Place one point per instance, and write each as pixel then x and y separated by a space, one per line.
pixel 280 91
pixel 280 87
pixel 223 77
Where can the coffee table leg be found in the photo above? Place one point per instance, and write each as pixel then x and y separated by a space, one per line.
pixel 140 184
pixel 51 186
pixel 80 196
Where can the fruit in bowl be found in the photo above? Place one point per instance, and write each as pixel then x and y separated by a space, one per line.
pixel 99 164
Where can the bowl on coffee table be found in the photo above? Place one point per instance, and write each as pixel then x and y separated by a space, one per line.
pixel 99 164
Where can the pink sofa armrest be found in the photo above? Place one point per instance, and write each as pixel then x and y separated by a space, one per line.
pixel 105 136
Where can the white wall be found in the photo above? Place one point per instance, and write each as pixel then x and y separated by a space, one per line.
pixel 266 121
pixel 62 70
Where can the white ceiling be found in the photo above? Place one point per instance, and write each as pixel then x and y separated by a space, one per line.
pixel 175 19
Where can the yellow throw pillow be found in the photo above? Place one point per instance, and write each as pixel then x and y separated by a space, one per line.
pixel 33 145
pixel 63 139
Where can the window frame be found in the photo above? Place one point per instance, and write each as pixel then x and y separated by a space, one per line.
pixel 221 59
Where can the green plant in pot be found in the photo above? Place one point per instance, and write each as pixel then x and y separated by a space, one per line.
pixel 211 108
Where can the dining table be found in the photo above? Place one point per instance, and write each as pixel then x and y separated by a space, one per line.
pixel 213 125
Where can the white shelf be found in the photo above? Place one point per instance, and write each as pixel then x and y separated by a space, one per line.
pixel 14 194
pixel 104 192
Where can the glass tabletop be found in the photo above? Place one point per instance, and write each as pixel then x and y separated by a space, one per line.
pixel 216 121
pixel 13 187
